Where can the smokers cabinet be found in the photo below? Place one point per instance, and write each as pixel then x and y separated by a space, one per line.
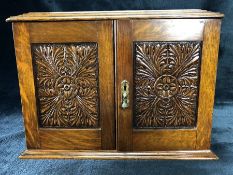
pixel 117 84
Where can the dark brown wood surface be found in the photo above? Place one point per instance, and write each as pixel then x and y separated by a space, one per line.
pixel 124 69
pixel 106 81
pixel 166 79
pixel 67 84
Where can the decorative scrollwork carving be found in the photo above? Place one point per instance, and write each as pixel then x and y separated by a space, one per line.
pixel 166 84
pixel 66 79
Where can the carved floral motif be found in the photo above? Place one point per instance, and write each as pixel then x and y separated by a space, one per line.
pixel 66 77
pixel 166 84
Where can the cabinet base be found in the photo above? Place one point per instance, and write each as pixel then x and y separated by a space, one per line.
pixel 113 155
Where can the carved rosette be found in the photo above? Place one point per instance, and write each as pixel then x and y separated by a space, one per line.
pixel 166 84
pixel 66 79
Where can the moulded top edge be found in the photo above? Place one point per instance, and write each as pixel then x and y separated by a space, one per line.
pixel 123 14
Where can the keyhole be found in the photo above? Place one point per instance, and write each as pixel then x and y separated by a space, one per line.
pixel 125 87
pixel 124 98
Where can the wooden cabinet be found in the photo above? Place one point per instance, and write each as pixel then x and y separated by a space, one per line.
pixel 117 85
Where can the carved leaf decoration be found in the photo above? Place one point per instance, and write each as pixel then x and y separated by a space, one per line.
pixel 166 84
pixel 66 76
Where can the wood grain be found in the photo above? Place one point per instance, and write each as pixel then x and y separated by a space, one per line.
pixel 124 72
pixel 73 139
pixel 168 30
pixel 207 82
pixel 123 14
pixel 115 33
pixel 61 32
pixel 164 139
pixel 115 80
pixel 99 32
pixel 106 82
pixel 112 155
pixel 136 139
pixel 26 83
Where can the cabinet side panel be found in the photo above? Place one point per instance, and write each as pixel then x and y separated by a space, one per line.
pixel 26 83
pixel 207 82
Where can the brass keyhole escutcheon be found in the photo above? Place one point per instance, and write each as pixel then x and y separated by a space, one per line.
pixel 124 94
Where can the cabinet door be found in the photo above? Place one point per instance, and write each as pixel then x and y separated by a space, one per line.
pixel 66 76
pixel 165 84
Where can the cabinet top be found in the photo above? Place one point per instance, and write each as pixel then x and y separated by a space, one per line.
pixel 124 14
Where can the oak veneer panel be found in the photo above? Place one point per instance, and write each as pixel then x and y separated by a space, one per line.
pixel 79 139
pixel 164 144
pixel 106 82
pixel 207 82
pixel 168 30
pixel 60 32
pixel 164 140
pixel 26 83
pixel 124 72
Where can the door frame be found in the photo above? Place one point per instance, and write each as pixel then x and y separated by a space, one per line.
pixel 26 33
pixel 129 31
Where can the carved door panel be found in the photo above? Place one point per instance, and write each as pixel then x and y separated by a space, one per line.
pixel 161 60
pixel 74 82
